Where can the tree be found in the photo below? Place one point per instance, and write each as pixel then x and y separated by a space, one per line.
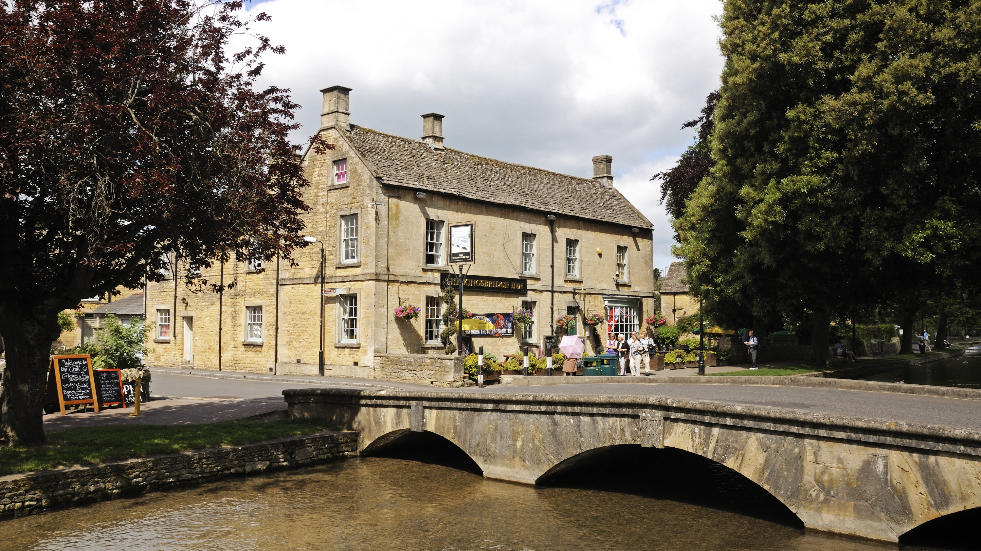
pixel 678 183
pixel 846 148
pixel 128 131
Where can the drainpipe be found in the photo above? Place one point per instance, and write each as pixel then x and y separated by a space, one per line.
pixel 221 296
pixel 173 317
pixel 551 321
pixel 276 333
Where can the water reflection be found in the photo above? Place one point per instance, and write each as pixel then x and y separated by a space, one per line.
pixel 963 372
pixel 393 503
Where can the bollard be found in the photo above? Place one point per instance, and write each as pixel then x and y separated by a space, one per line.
pixel 136 405
pixel 524 369
pixel 480 368
pixel 548 361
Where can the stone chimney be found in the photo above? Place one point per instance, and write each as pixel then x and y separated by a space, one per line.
pixel 432 130
pixel 602 169
pixel 336 111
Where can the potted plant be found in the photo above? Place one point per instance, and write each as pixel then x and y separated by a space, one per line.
pixel 491 369
pixel 522 317
pixel 723 356
pixel 407 312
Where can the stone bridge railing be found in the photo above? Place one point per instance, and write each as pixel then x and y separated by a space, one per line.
pixel 858 477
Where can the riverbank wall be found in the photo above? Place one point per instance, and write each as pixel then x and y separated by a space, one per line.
pixel 868 369
pixel 32 493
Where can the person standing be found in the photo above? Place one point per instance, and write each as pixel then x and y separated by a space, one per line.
pixel 649 352
pixel 923 338
pixel 637 353
pixel 611 344
pixel 753 344
pixel 926 340
pixel 622 351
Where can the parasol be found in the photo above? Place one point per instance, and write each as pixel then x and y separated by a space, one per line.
pixel 572 346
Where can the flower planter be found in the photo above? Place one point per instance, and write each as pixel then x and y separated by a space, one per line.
pixel 657 362
pixel 492 376
pixel 710 360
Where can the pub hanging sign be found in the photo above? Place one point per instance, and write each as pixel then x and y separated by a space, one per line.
pixel 461 243
pixel 484 283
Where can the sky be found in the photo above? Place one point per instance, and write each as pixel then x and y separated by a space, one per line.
pixel 544 83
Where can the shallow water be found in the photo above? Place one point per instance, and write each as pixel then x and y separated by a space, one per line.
pixel 392 503
pixel 963 372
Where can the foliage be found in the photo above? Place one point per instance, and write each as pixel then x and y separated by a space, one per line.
pixel 565 321
pixel 655 320
pixel 668 335
pixel 97 445
pixel 593 320
pixel 829 114
pixel 691 357
pixel 407 312
pixel 688 324
pixel 66 321
pixel 678 183
pixel 470 365
pixel 523 317
pixel 724 354
pixel 883 331
pixel 690 343
pixel 674 357
pixel 120 346
pixel 449 328
pixel 128 130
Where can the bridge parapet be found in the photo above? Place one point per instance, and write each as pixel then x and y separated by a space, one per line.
pixel 859 477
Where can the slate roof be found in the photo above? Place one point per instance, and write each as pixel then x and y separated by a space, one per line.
pixel 414 164
pixel 674 280
pixel 126 306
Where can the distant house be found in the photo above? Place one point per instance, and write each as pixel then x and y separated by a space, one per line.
pixel 676 302
pixel 128 309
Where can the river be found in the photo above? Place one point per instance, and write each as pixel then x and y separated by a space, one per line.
pixel 426 496
pixel 963 372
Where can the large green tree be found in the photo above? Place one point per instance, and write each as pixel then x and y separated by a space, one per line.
pixel 847 144
pixel 127 130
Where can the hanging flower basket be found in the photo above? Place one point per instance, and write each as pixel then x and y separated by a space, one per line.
pixel 523 317
pixel 655 321
pixel 467 314
pixel 565 321
pixel 407 312
pixel 593 320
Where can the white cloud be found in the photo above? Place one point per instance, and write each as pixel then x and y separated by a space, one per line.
pixel 538 82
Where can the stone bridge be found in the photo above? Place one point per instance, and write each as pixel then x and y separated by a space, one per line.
pixel 851 476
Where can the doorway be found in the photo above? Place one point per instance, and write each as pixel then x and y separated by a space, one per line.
pixel 189 341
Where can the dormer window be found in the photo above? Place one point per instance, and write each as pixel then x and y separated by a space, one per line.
pixel 340 172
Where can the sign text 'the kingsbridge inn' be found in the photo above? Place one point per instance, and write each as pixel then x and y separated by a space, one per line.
pixel 485 283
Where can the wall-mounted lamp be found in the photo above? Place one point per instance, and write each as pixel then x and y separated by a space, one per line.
pixel 550 217
pixel 599 251
pixel 634 230
pixel 421 194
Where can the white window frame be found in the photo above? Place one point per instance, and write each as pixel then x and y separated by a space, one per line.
pixel 528 329
pixel 435 249
pixel 349 323
pixel 528 261
pixel 349 238
pixel 572 258
pixel 621 263
pixel 340 172
pixel 164 320
pixel 254 324
pixel 626 318
pixel 434 319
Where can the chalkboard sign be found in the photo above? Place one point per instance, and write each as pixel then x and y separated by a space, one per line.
pixel 109 384
pixel 74 381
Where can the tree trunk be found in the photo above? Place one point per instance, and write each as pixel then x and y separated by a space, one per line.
pixel 906 340
pixel 22 399
pixel 942 330
pixel 819 338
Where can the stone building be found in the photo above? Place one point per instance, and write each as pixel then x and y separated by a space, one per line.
pixel 391 216
pixel 676 302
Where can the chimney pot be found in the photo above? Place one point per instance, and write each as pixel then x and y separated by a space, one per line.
pixel 336 110
pixel 602 169
pixel 432 130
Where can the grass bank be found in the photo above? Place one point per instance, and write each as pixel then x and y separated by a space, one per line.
pixel 95 445
pixel 795 369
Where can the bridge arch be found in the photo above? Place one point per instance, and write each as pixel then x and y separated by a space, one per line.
pixel 425 446
pixel 957 530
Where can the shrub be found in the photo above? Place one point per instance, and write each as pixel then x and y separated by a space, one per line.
pixel 668 335
pixel 688 324
pixel 470 365
pixel 66 321
pixel 724 354
pixel 690 343
pixel 120 346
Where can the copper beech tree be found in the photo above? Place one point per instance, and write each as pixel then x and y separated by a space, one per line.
pixel 128 130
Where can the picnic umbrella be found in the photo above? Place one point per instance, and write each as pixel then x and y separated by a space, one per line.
pixel 572 346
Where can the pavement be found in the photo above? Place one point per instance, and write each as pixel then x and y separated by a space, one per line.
pixel 198 396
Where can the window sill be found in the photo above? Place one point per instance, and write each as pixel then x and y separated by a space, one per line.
pixel 433 346
pixel 348 264
pixel 573 279
pixel 435 268
pixel 347 345
pixel 623 282
pixel 252 343
pixel 338 186
pixel 530 276
pixel 162 341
